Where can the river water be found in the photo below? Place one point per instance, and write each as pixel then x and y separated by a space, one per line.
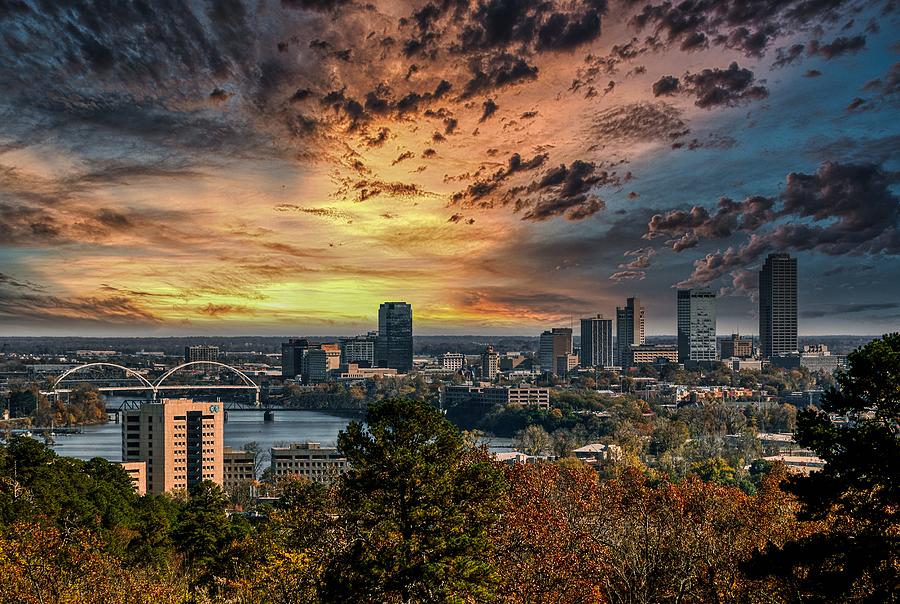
pixel 242 427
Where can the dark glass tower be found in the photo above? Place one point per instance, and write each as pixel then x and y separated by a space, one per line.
pixel 394 347
pixel 778 305
pixel 629 328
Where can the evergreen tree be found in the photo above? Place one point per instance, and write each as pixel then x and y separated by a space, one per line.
pixel 856 496
pixel 417 506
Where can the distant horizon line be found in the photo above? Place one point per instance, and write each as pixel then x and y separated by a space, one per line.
pixel 436 335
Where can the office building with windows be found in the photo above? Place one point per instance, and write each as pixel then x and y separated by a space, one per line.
pixel 778 306
pixel 320 361
pixel 629 328
pixel 201 352
pixel 737 347
pixel 181 442
pixel 359 350
pixel 490 364
pixel 597 342
pixel 309 460
pixel 394 347
pixel 553 344
pixel 696 325
pixel 293 354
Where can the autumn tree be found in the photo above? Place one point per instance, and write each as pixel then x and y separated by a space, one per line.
pixel 544 544
pixel 417 506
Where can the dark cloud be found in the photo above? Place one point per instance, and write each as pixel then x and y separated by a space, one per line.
pixel 489 108
pixel 564 191
pixel 365 189
pixel 842 209
pixel 788 56
pixel 723 87
pixel 638 122
pixel 482 192
pixel 402 157
pixel 731 216
pixel 322 5
pixel 497 71
pixel 666 85
pixel 537 25
pixel 837 47
pixel 748 27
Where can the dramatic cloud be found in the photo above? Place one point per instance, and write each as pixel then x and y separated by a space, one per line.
pixel 714 87
pixel 204 165
pixel 841 209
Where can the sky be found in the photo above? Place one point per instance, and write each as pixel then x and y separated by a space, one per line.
pixel 282 167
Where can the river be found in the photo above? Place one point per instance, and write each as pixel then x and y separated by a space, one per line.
pixel 242 427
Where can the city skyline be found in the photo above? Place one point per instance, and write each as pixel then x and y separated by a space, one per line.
pixel 282 168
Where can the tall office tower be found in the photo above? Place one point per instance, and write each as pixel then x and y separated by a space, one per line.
pixel 696 325
pixel 490 363
pixel 201 352
pixel 778 305
pixel 629 328
pixel 553 344
pixel 359 350
pixel 394 348
pixel 293 352
pixel 596 342
pixel 180 441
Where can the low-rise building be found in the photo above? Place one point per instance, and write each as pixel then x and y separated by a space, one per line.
pixel 496 396
pixel 309 460
pixel 352 372
pixel 451 361
pixel 650 354
pixel 239 468
pixel 815 358
pixel 736 346
pixel 738 364
pixel 566 363
pixel 598 453
pixel 137 471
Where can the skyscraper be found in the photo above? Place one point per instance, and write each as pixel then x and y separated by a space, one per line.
pixel 394 347
pixel 629 328
pixel 696 325
pixel 778 305
pixel 553 344
pixel 293 353
pixel 180 440
pixel 596 342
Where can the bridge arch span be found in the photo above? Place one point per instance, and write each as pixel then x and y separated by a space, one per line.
pixel 127 370
pixel 247 381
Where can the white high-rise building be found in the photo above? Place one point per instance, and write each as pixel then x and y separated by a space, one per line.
pixel 696 325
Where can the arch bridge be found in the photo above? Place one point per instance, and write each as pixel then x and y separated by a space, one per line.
pixel 159 385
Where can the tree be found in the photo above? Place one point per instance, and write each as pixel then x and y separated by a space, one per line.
pixel 544 546
pixel 417 506
pixel 857 494
pixel 533 440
